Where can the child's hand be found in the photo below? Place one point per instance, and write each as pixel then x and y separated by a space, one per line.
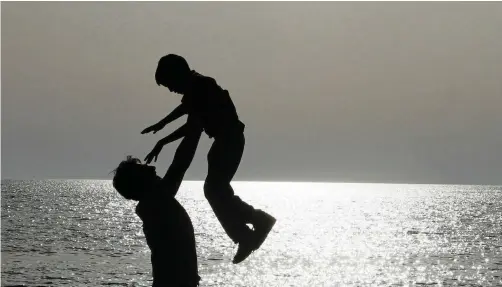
pixel 154 153
pixel 154 128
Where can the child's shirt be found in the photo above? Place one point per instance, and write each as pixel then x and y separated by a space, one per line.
pixel 170 236
pixel 212 106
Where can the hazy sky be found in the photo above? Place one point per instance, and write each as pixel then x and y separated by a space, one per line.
pixel 375 92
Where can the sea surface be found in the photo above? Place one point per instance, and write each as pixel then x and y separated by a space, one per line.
pixel 82 233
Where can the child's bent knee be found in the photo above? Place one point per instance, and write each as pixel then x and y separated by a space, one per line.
pixel 209 188
pixel 212 188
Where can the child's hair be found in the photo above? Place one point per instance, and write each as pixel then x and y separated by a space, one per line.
pixel 170 65
pixel 125 180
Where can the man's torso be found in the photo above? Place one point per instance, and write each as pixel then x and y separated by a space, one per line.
pixel 170 236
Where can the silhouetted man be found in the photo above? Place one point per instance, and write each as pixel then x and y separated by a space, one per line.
pixel 210 108
pixel 168 229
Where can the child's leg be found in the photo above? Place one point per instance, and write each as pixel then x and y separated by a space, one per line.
pixel 223 160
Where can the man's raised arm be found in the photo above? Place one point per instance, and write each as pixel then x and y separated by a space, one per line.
pixel 182 158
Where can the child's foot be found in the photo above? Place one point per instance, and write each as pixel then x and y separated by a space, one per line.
pixel 262 223
pixel 246 247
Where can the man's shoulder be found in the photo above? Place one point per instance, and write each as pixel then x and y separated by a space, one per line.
pixel 152 203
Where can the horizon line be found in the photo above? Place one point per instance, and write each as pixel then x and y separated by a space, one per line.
pixel 274 181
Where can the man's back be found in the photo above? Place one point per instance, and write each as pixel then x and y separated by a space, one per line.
pixel 170 235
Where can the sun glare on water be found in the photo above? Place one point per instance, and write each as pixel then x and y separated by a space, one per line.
pixel 82 233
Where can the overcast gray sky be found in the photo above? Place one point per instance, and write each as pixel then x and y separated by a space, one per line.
pixel 372 92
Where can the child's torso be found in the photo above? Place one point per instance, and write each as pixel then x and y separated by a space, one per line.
pixel 212 106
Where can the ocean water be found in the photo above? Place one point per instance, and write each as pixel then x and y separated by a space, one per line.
pixel 82 233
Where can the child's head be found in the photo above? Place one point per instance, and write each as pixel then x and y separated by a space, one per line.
pixel 172 72
pixel 134 180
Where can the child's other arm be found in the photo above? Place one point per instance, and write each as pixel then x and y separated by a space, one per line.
pixel 188 128
pixel 174 115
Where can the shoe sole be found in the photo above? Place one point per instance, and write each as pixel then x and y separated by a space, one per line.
pixel 265 234
pixel 258 243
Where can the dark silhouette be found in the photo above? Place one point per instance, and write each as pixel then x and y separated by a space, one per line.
pixel 168 229
pixel 210 109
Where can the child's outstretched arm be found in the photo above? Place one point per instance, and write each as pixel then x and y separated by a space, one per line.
pixel 182 131
pixel 174 115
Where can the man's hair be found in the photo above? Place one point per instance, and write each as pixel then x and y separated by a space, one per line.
pixel 125 180
pixel 170 65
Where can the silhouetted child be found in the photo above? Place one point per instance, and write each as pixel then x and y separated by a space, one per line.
pixel 168 229
pixel 210 108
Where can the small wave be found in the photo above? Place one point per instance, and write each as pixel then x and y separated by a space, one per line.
pixel 48 277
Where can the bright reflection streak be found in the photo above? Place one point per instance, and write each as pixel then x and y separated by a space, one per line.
pixel 327 234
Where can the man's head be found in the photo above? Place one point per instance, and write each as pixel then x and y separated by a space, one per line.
pixel 134 180
pixel 172 72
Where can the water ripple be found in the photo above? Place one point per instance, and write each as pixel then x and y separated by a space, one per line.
pixel 81 233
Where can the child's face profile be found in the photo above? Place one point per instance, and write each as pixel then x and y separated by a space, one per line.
pixel 173 83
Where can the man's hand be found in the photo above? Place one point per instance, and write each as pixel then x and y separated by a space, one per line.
pixel 154 128
pixel 154 153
